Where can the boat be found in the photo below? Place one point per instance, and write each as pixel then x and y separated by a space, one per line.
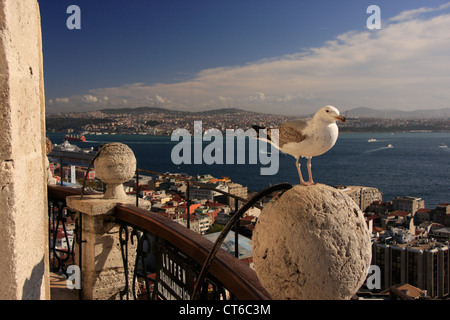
pixel 443 145
pixel 389 145
pixel 372 140
pixel 71 154
pixel 66 146
pixel 74 137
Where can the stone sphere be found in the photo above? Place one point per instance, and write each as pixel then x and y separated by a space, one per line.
pixel 115 165
pixel 311 243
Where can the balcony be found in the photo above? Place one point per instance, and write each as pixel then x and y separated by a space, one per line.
pixel 161 259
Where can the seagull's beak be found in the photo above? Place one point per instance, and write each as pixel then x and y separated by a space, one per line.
pixel 340 118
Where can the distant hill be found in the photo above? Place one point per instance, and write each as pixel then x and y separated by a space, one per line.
pixel 363 112
pixel 227 111
pixel 141 110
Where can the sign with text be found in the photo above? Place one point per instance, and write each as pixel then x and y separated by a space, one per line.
pixel 174 275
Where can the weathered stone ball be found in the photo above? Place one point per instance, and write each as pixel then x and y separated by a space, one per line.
pixel 311 243
pixel 115 164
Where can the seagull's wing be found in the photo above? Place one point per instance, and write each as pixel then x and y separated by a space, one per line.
pixel 292 131
pixel 299 124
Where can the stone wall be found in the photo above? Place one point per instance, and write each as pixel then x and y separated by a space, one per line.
pixel 23 202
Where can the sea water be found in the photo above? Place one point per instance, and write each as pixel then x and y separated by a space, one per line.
pixel 416 164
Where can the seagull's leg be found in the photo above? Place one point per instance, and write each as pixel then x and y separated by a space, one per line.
pixel 310 182
pixel 297 163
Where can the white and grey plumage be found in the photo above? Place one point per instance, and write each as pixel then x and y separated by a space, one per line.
pixel 308 137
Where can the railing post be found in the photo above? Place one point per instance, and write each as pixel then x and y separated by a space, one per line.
pixel 61 170
pixel 236 230
pixel 99 255
pixel 137 187
pixel 188 205
pixel 79 243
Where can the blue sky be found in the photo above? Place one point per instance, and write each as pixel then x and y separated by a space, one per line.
pixel 284 56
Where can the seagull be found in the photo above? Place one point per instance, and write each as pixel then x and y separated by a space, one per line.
pixel 306 137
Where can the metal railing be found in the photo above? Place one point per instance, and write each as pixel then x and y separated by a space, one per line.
pixel 203 270
pixel 60 256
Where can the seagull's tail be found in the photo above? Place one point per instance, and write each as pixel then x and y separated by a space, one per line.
pixel 266 137
pixel 257 129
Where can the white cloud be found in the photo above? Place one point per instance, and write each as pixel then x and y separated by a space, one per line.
pixel 89 98
pixel 161 100
pixel 404 65
pixel 257 97
pixel 62 100
pixel 412 14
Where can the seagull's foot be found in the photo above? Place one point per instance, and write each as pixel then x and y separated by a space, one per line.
pixel 308 183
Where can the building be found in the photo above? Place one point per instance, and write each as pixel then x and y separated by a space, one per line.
pixel 363 196
pixel 182 207
pixel 238 190
pixel 244 246
pixel 444 208
pixel 199 193
pixel 421 263
pixel 422 215
pixel 443 213
pixel 380 207
pixel 441 234
pixel 61 240
pixel 409 204
pixel 199 223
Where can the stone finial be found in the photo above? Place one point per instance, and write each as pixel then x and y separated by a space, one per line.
pixel 311 243
pixel 115 165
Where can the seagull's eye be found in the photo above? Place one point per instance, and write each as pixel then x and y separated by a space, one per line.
pixel 327 111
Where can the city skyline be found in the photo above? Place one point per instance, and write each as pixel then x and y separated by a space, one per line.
pixel 287 57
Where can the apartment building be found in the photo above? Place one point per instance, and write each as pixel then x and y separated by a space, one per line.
pixel 409 204
pixel 363 196
pixel 199 193
pixel 421 263
pixel 238 190
pixel 199 223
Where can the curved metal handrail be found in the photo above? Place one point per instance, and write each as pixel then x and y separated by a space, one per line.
pixel 227 229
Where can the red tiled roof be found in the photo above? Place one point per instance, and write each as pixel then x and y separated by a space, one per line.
pixel 399 213
pixel 213 204
pixel 423 210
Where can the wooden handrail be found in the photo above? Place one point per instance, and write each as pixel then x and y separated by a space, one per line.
pixel 235 275
pixel 61 192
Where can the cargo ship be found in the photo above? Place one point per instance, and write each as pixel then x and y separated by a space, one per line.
pixel 75 137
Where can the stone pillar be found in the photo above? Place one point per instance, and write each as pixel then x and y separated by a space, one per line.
pixel 102 272
pixel 102 268
pixel 23 190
